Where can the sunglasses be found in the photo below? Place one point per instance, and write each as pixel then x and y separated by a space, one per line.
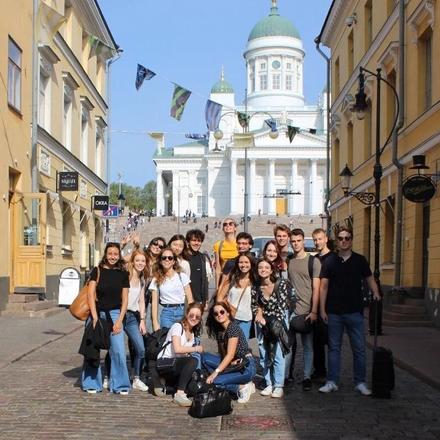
pixel 228 224
pixel 192 316
pixel 167 257
pixel 220 312
pixel 156 243
pixel 344 238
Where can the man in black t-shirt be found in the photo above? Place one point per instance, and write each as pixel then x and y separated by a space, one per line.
pixel 341 307
pixel 244 245
pixel 197 263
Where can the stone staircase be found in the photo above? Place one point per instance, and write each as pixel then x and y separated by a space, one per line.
pixel 412 313
pixel 30 306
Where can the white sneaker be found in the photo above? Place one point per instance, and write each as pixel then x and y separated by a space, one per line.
pixel 182 399
pixel 105 384
pixel 90 391
pixel 123 393
pixel 244 394
pixel 362 388
pixel 252 387
pixel 139 385
pixel 328 387
pixel 267 391
pixel 277 393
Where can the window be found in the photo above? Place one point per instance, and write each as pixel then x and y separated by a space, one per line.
pixel 201 181
pixel 336 160
pixel 288 82
pixel 389 231
pixel 337 77
pixel 390 103
pixel 263 66
pixel 368 13
pixel 367 233
pixel 99 151
pixel 367 133
pixel 202 205
pixel 350 54
pixel 14 75
pixel 263 82
pixel 44 100
pixel 350 145
pixel 276 82
pixel 67 117
pixel 67 225
pixel 84 135
pixel 289 66
pixel 425 69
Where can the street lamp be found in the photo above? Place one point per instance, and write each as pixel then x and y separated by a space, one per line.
pixel 121 202
pixel 368 198
pixel 244 119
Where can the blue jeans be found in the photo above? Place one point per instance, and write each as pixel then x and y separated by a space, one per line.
pixel 134 334
pixel 229 381
pixel 246 327
pixel 171 315
pixel 273 375
pixel 354 324
pixel 91 378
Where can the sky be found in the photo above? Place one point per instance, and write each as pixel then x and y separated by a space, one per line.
pixel 187 42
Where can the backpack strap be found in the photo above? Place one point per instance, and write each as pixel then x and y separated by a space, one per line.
pixel 310 266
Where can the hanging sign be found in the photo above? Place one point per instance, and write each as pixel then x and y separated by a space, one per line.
pixel 100 203
pixel 68 181
pixel 418 189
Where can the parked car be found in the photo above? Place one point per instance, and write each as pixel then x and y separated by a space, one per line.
pixel 260 242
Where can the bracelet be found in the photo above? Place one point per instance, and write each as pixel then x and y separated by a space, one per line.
pixel 315 313
pixel 217 371
pixel 142 318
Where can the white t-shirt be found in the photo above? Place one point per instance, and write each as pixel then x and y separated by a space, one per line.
pixel 176 330
pixel 171 290
pixel 244 311
pixel 134 294
pixel 184 264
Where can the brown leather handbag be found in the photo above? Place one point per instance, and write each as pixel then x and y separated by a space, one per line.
pixel 80 306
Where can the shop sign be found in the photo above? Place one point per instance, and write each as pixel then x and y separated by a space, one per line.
pixel 418 189
pixel 100 203
pixel 68 181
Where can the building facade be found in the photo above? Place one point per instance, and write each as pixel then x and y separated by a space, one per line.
pixel 402 38
pixel 208 176
pixel 48 229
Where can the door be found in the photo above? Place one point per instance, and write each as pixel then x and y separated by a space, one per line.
pixel 29 240
pixel 281 206
pixel 425 247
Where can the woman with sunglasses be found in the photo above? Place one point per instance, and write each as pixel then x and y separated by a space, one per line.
pixel 180 344
pixel 225 249
pixel 272 254
pixel 108 299
pixel 237 291
pixel 233 350
pixel 269 303
pixel 169 288
pixel 178 245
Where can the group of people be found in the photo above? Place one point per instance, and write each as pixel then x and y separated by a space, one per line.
pixel 283 293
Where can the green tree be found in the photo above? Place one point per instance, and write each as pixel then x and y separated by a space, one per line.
pixel 135 196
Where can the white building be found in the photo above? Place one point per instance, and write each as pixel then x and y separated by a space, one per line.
pixel 208 176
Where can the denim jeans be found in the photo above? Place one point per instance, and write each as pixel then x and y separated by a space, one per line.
pixel 134 334
pixel 273 375
pixel 229 381
pixel 171 315
pixel 354 324
pixel 246 327
pixel 91 378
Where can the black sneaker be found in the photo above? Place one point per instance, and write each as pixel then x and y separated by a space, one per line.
pixel 307 385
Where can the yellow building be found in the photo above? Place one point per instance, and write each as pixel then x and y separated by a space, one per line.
pixel 367 33
pixel 48 229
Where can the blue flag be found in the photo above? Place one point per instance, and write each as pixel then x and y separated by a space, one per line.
pixel 212 114
pixel 272 124
pixel 143 74
pixel 197 136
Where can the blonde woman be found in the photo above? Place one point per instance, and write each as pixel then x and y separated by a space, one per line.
pixel 225 249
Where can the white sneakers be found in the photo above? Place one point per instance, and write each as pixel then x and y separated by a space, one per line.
pixel 244 393
pixel 105 384
pixel 329 387
pixel 139 385
pixel 277 393
pixel 362 388
pixel 182 399
pixel 267 391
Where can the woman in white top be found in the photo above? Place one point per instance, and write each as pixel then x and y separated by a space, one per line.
pixel 178 245
pixel 180 343
pixel 169 288
pixel 237 291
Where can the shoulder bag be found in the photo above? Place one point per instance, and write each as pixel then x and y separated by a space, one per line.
pixel 235 308
pixel 212 403
pixel 80 308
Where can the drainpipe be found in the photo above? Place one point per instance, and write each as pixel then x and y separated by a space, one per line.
pixel 34 117
pixel 327 176
pixel 399 166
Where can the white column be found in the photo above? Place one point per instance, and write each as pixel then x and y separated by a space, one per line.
pixel 159 194
pixel 272 201
pixel 313 187
pixel 176 193
pixel 233 193
pixel 252 186
pixel 293 187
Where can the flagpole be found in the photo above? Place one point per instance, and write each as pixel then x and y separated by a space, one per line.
pixel 246 172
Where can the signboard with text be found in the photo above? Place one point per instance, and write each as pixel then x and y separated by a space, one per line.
pixel 68 181
pixel 100 203
pixel 418 189
pixel 112 211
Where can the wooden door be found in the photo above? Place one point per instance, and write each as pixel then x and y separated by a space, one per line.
pixel 29 242
pixel 281 206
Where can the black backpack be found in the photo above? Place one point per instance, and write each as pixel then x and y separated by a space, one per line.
pixel 154 343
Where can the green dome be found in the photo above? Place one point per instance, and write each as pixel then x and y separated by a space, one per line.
pixel 222 86
pixel 274 25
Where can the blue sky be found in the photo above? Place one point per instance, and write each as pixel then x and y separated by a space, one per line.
pixel 187 42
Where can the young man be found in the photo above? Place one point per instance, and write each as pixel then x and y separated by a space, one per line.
pixel 303 271
pixel 244 244
pixel 320 241
pixel 341 307
pixel 198 264
pixel 281 233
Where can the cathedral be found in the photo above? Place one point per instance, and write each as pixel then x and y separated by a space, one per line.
pixel 285 163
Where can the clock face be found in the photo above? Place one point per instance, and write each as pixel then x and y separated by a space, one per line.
pixel 276 64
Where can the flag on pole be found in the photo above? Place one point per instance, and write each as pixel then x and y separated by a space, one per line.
pixel 272 124
pixel 243 119
pixel 291 132
pixel 212 114
pixel 180 96
pixel 197 136
pixel 143 74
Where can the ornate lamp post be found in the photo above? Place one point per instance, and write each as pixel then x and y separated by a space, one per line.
pixel 368 198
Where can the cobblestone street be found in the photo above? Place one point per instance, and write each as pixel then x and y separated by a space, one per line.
pixel 40 398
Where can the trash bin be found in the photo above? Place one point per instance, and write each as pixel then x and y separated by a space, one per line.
pixel 69 286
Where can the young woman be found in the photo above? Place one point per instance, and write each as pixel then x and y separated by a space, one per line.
pixel 169 288
pixel 180 344
pixel 271 253
pixel 233 349
pixel 225 249
pixel 269 302
pixel 178 245
pixel 237 291
pixel 108 299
